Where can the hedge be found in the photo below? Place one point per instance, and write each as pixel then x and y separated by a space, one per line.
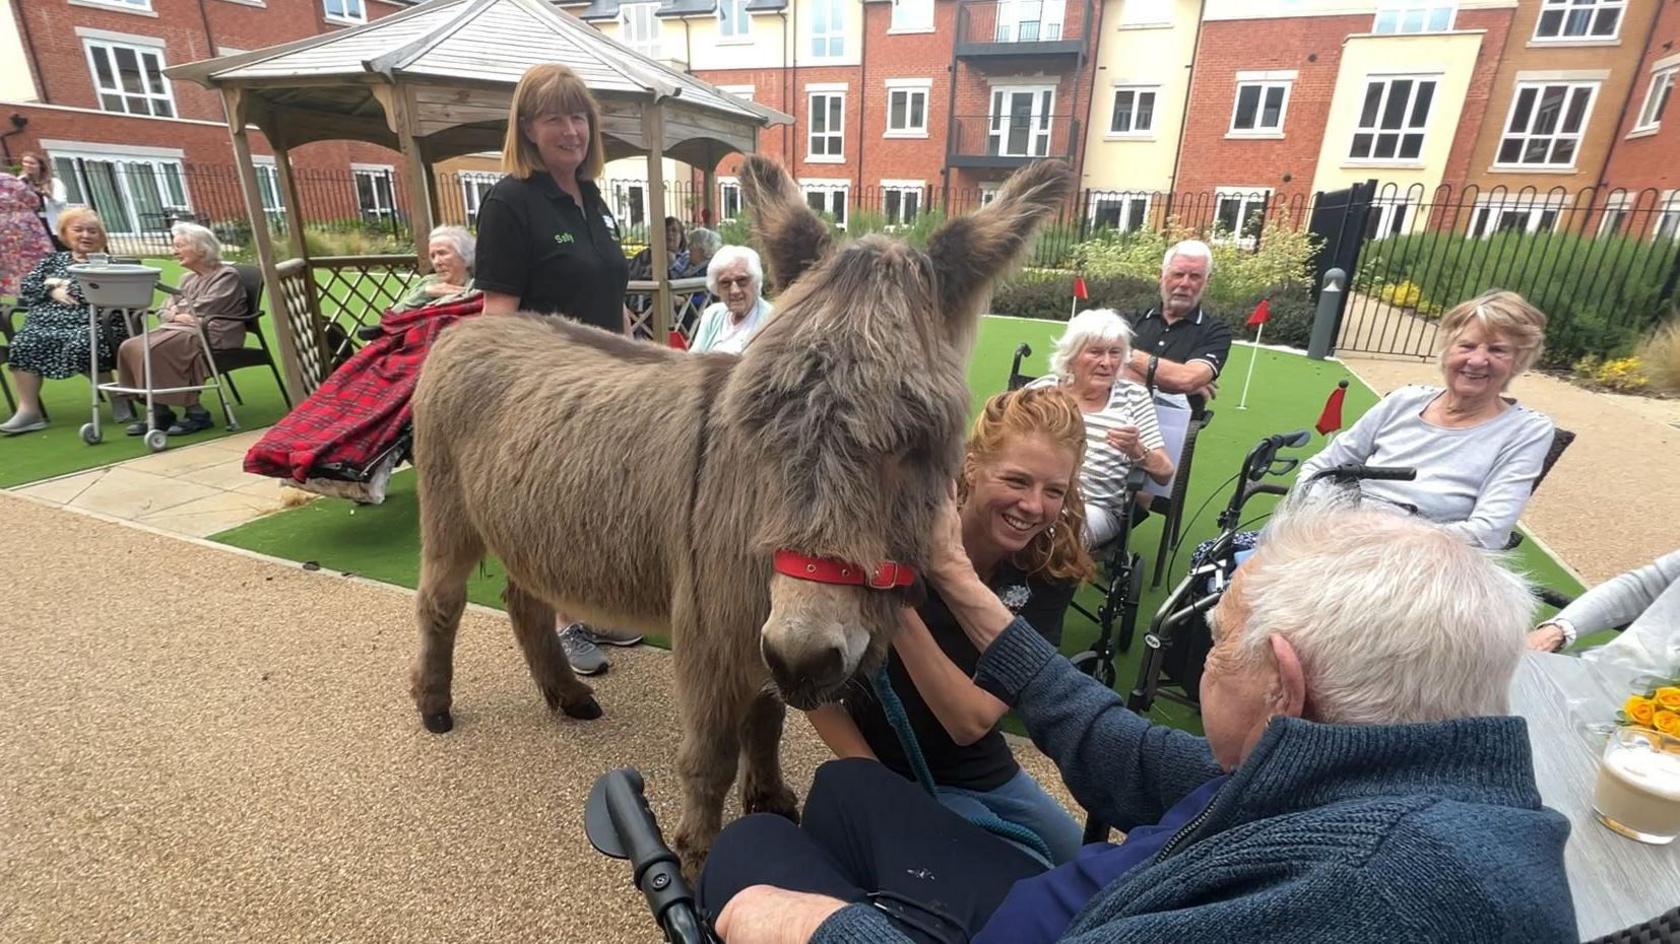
pixel 1049 296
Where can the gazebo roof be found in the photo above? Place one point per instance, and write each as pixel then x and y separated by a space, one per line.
pixel 462 58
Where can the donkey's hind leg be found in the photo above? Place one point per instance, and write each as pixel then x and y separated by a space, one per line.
pixel 533 626
pixel 445 565
pixel 762 787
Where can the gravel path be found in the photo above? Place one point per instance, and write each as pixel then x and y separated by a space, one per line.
pixel 200 745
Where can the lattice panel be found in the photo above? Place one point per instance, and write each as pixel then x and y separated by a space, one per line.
pixel 688 296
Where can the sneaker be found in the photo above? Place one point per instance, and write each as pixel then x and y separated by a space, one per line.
pixel 195 421
pixel 122 410
pixel 162 418
pixel 22 423
pixel 581 651
pixel 606 636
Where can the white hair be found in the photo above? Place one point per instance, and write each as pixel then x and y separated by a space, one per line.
pixel 728 256
pixel 1097 324
pixel 200 238
pixel 460 240
pixel 1189 249
pixel 1395 620
pixel 705 239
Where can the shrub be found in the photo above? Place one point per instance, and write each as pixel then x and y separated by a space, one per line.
pixel 1049 296
pixel 1401 294
pixel 1283 257
pixel 1621 374
pixel 1661 354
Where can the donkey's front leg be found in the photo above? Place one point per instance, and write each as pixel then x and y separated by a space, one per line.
pixel 438 607
pixel 706 759
pixel 533 626
pixel 762 787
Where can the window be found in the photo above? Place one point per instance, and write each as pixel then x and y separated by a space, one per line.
pixel 901 201
pixel 121 4
pixel 1134 111
pixel 1656 100
pixel 732 18
pixel 1019 124
pixel 375 192
pixel 630 203
pixel 1546 124
pixel 1615 215
pixel 268 186
pixel 828 28
pixel 828 197
pixel 132 195
pixel 1260 108
pixel 1029 21
pixel 1413 16
pixel 1515 215
pixel 912 16
pixel 346 11
pixel 1126 212
pixel 638 28
pixel 129 79
pixel 907 104
pixel 729 194
pixel 827 127
pixel 1240 214
pixel 474 186
pixel 1563 20
pixel 1667 225
pixel 1393 119
pixel 1389 216
pixel 1146 13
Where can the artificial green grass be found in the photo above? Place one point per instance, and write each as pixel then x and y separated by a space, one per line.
pixel 1288 393
pixel 59 450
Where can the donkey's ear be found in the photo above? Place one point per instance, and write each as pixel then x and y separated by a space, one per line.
pixel 970 252
pixel 791 237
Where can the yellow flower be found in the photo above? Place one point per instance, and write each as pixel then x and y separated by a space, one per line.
pixel 1640 709
pixel 1668 722
pixel 1668 698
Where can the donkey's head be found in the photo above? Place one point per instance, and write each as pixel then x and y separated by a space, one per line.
pixel 854 399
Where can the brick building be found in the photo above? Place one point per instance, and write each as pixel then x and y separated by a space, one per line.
pixel 1641 176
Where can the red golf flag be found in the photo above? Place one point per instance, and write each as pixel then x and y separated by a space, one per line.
pixel 1262 313
pixel 1079 287
pixel 1330 419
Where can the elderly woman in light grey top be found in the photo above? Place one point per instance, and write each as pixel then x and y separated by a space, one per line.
pixel 736 276
pixel 1476 453
pixel 1647 599
pixel 1121 428
pixel 452 252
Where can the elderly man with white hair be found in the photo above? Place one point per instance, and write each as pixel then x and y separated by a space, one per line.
pixel 1179 348
pixel 1360 779
pixel 736 276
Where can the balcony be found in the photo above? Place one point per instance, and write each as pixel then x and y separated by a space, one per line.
pixel 1005 141
pixel 1019 29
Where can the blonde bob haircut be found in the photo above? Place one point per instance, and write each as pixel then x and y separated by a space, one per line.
pixel 1504 315
pixel 549 89
pixel 69 218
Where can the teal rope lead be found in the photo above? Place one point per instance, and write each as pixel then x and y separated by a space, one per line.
pixel 893 708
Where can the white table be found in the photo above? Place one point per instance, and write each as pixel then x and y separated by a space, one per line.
pixel 1616 882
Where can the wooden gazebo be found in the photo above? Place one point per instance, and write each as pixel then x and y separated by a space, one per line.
pixel 435 82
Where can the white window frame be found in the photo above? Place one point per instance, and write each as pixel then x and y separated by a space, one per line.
pixel 374 171
pixel 1041 121
pixel 1527 135
pixel 1046 16
pixel 830 136
pixel 1134 132
pixel 140 7
pixel 474 185
pixel 1146 13
pixel 268 186
pixel 91 43
pixel 734 22
pixel 356 18
pixel 1130 217
pixel 639 27
pixel 1407 129
pixel 1396 216
pixel 922 24
pixel 1401 17
pixel 1561 11
pixel 988 192
pixel 742 92
pixel 1614 215
pixel 830 189
pixel 1657 96
pixel 727 185
pixel 912 191
pixel 630 202
pixel 1488 216
pixel 1666 225
pixel 1266 82
pixel 828 42
pixel 910 89
pixel 1247 199
pixel 128 164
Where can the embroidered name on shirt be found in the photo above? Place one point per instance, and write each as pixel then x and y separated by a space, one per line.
pixel 563 238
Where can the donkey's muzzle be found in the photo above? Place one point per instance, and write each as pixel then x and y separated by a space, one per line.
pixel 806 680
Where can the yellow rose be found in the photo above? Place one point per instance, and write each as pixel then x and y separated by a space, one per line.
pixel 1667 698
pixel 1668 722
pixel 1640 709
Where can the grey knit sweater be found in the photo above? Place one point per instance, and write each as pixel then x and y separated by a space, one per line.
pixel 1325 833
pixel 1650 598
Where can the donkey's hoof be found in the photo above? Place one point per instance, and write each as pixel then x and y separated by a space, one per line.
pixel 587 710
pixel 438 723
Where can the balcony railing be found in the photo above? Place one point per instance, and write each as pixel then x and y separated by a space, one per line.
pixel 1010 140
pixel 1014 28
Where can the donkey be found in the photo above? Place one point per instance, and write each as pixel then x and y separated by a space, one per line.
pixel 770 511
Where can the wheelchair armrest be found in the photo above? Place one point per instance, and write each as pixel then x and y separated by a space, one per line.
pixel 168 289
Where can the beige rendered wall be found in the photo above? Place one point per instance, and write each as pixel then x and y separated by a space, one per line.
pixel 1143 44
pixel 16 84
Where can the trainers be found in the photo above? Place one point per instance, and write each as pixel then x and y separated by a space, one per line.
pixel 581 651
pixel 196 420
pixel 606 636
pixel 22 423
pixel 162 418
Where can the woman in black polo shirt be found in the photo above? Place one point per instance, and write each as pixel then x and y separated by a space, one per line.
pixel 546 241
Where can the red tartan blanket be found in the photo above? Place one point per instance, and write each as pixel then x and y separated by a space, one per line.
pixel 359 411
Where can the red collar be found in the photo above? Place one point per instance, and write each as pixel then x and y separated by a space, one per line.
pixel 886 576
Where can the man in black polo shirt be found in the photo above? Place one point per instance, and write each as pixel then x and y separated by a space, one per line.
pixel 1178 348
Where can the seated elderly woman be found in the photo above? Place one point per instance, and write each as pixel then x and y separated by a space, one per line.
pixel 211 300
pixel 1476 453
pixel 450 249
pixel 53 342
pixel 736 276
pixel 676 253
pixel 1360 779
pixel 1645 599
pixel 1121 429
pixel 703 244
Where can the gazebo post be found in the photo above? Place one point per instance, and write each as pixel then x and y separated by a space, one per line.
pixel 653 135
pixel 294 200
pixel 399 114
pixel 234 105
pixel 708 202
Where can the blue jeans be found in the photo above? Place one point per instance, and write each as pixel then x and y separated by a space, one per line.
pixel 1022 801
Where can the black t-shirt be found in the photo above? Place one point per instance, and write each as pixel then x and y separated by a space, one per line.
pixel 987 763
pixel 1197 336
pixel 535 242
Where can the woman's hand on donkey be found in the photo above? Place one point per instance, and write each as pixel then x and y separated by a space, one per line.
pixel 947 557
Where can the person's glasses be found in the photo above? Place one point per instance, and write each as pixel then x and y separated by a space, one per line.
pixel 743 282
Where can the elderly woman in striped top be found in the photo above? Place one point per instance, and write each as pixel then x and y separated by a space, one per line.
pixel 1121 430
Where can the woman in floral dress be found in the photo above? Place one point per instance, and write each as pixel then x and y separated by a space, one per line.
pixel 22 241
